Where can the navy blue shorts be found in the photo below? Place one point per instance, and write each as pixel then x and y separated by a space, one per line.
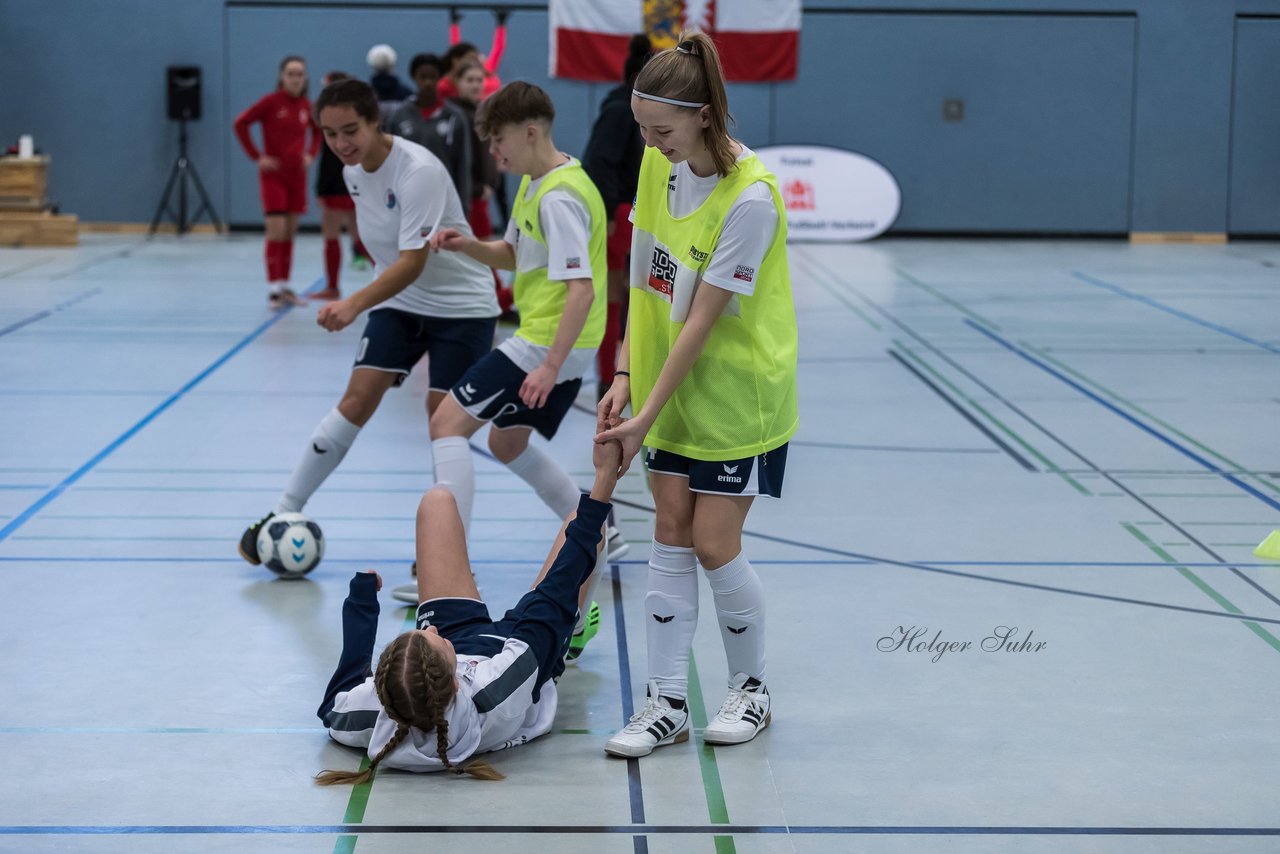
pixel 395 340
pixel 760 475
pixel 490 391
pixel 468 626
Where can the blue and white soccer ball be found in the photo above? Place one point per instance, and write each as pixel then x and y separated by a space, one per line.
pixel 290 545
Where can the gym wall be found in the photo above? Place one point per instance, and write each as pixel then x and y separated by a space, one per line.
pixel 1079 116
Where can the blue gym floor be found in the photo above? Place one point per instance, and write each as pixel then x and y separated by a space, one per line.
pixel 1075 439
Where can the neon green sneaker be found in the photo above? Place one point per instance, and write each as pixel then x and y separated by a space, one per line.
pixel 578 642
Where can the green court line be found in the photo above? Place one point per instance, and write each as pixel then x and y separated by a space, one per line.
pixel 716 809
pixel 958 306
pixel 1048 463
pixel 1204 586
pixel 1165 424
pixel 359 799
pixel 840 298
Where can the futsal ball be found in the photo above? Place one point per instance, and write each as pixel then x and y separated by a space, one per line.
pixel 290 545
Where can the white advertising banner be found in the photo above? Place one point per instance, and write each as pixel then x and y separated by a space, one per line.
pixel 832 194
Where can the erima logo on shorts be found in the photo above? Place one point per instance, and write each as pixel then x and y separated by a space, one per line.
pixel 662 272
pixel 697 255
pixel 391 202
pixel 726 477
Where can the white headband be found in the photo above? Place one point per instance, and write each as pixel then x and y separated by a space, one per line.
pixel 671 101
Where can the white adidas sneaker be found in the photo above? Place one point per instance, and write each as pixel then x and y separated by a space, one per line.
pixel 653 726
pixel 745 712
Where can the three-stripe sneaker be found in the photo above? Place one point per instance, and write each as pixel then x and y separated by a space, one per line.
pixel 745 712
pixel 653 726
pixel 578 640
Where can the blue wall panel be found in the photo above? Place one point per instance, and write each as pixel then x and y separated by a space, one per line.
pixel 1044 144
pixel 1255 129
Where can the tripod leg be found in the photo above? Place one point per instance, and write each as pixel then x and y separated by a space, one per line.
pixel 164 199
pixel 205 204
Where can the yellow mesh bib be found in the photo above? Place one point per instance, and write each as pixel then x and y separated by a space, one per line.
pixel 540 300
pixel 739 400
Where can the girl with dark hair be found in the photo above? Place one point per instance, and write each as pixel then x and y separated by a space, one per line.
pixel 441 306
pixel 708 365
pixel 462 683
pixel 337 212
pixel 286 118
pixel 435 124
pixel 612 159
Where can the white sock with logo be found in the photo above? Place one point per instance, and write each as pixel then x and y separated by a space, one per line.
pixel 329 443
pixel 739 598
pixel 454 469
pixel 671 617
pixel 549 479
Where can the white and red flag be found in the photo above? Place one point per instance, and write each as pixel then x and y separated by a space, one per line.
pixel 758 39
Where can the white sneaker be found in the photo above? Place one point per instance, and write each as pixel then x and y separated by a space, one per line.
pixel 745 712
pixel 653 726
pixel 615 545
pixel 406 593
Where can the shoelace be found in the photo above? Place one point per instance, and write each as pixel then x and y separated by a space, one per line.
pixel 735 705
pixel 646 716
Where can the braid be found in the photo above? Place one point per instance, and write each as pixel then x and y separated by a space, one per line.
pixel 356 778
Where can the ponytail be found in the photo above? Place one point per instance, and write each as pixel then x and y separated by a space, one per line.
pixel 691 72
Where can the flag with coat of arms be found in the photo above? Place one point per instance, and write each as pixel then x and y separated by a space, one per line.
pixel 758 40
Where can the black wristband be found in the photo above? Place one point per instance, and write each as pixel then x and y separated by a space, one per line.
pixel 626 374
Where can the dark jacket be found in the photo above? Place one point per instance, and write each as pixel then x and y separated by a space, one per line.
pixel 613 153
pixel 447 135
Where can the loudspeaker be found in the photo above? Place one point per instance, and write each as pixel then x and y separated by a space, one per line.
pixel 184 92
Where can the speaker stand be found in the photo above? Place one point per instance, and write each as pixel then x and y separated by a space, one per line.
pixel 183 170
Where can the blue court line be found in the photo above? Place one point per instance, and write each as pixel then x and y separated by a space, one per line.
pixel 24 486
pixel 1186 452
pixel 635 787
pixel 1028 564
pixel 628 829
pixel 71 479
pixel 1127 294
pixel 838 446
pixel 41 315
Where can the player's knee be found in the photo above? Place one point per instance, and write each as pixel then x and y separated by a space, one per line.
pixel 449 419
pixel 437 499
pixel 506 445
pixel 358 406
pixel 673 532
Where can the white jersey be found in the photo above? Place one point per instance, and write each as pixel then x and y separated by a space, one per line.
pixel 566 224
pixel 748 231
pixel 398 207
pixel 492 710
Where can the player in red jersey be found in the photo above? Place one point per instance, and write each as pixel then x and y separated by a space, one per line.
pixel 285 116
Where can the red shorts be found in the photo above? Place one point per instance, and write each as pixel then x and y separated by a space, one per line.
pixel 619 245
pixel 338 203
pixel 283 191
pixel 478 218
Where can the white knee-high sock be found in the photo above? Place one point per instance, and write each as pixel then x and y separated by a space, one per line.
pixel 671 616
pixel 327 446
pixel 455 469
pixel 739 598
pixel 549 479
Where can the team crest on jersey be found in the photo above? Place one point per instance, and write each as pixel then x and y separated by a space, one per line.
pixel 425 232
pixel 574 263
pixel 391 199
pixel 662 273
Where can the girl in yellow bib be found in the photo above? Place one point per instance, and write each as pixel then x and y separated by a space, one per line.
pixel 708 365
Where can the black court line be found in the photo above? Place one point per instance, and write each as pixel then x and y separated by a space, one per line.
pixel 1055 438
pixel 49 312
pixel 662 829
pixel 635 786
pixel 905 564
pixel 982 428
pixel 892 448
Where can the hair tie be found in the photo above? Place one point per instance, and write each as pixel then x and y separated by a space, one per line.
pixel 686 47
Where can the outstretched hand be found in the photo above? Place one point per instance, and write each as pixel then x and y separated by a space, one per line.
pixel 448 239
pixel 629 435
